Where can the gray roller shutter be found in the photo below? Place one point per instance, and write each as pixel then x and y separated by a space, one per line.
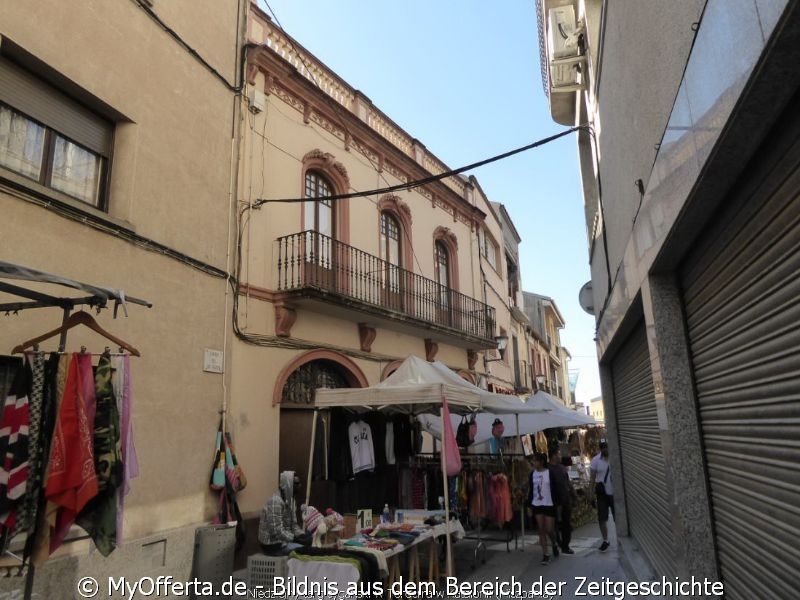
pixel 742 299
pixel 643 469
pixel 41 102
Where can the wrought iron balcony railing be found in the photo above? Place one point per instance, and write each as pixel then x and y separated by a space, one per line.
pixel 311 261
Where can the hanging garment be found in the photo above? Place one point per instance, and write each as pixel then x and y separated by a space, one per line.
pixel 71 480
pixel 39 548
pixel 390 458
pixel 362 452
pixel 99 516
pixel 35 442
pixel 123 392
pixel 501 499
pixel 14 426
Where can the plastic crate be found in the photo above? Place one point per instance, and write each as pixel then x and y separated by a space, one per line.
pixel 263 569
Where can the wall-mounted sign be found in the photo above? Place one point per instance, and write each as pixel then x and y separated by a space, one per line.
pixel 213 360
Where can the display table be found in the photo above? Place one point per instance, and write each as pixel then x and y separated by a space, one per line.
pixel 389 559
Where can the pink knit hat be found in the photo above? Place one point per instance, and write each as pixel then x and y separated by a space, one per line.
pixel 311 519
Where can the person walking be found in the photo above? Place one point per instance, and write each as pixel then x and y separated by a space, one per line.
pixel 567 499
pixel 601 490
pixel 543 501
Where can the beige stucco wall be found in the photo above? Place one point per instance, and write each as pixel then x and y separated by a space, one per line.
pixel 170 182
pixel 290 139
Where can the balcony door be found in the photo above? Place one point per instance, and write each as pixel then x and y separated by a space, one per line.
pixel 319 225
pixel 391 266
pixel 443 296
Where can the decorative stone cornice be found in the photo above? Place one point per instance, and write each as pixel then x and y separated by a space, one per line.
pixel 306 84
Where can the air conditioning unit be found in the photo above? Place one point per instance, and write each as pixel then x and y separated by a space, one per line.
pixel 562 32
pixel 565 49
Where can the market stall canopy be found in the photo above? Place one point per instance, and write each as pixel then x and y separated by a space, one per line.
pixel 417 386
pixel 541 411
pixel 98 296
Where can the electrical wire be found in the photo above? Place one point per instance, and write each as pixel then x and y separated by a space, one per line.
pixel 430 179
pixel 144 5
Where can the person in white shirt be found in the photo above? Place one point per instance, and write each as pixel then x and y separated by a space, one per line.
pixel 600 475
pixel 543 501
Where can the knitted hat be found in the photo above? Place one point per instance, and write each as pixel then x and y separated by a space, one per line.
pixel 336 518
pixel 311 519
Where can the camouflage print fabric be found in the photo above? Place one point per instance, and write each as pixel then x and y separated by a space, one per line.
pixel 99 517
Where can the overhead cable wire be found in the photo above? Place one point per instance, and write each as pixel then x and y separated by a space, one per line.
pixel 426 180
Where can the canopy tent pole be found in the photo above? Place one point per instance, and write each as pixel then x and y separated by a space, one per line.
pixel 523 508
pixel 449 544
pixel 311 455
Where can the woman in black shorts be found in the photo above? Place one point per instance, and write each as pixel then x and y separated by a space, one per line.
pixel 543 503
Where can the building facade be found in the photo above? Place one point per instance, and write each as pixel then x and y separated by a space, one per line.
pixel 550 358
pixel 116 169
pixel 689 162
pixel 337 293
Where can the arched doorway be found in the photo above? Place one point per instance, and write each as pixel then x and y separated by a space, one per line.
pixel 297 385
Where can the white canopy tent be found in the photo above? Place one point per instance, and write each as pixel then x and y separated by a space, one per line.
pixel 415 387
pixel 418 387
pixel 541 411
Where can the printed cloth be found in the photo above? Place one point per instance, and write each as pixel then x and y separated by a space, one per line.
pixel 14 465
pixel 71 480
pixel 99 516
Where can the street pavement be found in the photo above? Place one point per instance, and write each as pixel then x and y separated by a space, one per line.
pixel 569 576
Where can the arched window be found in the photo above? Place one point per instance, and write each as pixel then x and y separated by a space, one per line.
pixel 318 214
pixel 318 217
pixel 442 266
pixel 390 251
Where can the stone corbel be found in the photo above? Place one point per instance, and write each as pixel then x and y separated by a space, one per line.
pixel 431 348
pixel 366 335
pixel 472 359
pixel 285 316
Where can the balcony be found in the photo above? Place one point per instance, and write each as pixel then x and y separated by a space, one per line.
pixel 337 278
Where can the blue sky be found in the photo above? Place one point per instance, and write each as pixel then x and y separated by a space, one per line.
pixel 464 79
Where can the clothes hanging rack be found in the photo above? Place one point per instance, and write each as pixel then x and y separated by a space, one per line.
pixel 482 459
pixel 79 318
pixel 98 298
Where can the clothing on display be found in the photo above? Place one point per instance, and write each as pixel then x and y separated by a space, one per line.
pixel 362 451
pixel 67 442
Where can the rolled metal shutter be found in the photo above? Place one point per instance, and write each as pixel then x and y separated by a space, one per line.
pixel 742 300
pixel 643 468
pixel 43 103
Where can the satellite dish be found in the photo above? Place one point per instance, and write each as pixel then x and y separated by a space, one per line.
pixel 586 298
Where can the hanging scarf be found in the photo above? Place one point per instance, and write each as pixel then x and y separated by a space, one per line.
pixel 71 480
pixel 35 454
pixel 99 517
pixel 14 424
pixel 123 392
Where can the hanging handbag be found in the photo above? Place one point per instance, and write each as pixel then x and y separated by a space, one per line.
pixel 600 486
pixel 462 433
pixel 473 429
pixel 217 479
pixel 233 470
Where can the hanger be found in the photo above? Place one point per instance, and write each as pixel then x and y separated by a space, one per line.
pixel 79 318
